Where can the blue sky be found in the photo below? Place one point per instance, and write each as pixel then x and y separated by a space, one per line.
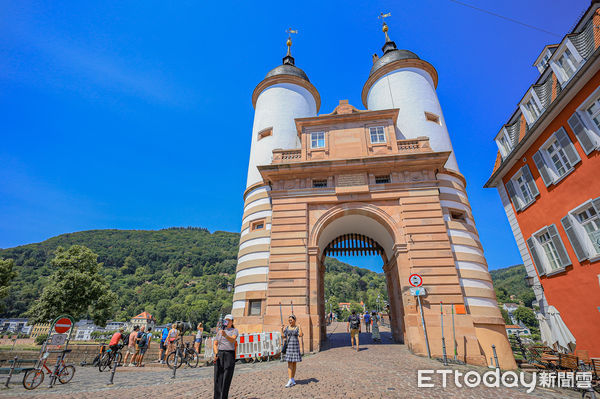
pixel 138 115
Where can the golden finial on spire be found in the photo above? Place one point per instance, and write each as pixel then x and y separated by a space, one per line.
pixel 383 16
pixel 289 31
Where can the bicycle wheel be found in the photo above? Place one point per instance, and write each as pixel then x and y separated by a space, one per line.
pixel 104 362
pixel 171 360
pixel 66 374
pixel 33 379
pixel 192 358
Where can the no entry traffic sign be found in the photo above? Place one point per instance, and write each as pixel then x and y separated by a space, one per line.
pixel 415 280
pixel 62 325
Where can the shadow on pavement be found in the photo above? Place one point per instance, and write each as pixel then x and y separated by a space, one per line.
pixel 338 337
pixel 306 381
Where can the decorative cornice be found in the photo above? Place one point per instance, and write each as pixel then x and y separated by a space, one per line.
pixel 273 80
pixel 400 64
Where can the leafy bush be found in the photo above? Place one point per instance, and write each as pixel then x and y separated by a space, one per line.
pixel 39 340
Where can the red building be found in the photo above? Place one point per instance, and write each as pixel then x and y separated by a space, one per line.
pixel 547 173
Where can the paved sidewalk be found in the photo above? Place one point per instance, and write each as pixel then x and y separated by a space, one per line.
pixel 383 370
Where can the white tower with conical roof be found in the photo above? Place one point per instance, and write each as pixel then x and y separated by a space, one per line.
pixel 400 79
pixel 285 94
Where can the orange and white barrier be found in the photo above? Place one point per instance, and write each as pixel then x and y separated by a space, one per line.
pixel 251 346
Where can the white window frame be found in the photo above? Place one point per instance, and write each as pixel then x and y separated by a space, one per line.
pixel 544 60
pixel 592 130
pixel 313 140
pixel 504 150
pixel 541 252
pixel 531 97
pixel 579 230
pixel 520 193
pixel 377 135
pixel 550 163
pixel 557 68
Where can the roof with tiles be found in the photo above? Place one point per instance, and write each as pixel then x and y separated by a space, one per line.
pixel 144 316
pixel 547 88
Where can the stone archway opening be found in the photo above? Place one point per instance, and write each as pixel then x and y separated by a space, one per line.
pixel 359 233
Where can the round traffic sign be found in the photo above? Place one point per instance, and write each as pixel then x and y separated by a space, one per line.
pixel 62 325
pixel 415 280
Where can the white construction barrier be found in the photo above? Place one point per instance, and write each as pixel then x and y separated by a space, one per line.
pixel 254 346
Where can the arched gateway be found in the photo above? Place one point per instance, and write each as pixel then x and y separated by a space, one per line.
pixel 382 180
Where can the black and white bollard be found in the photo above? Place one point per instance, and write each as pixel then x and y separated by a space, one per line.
pixel 114 370
pixel 495 356
pixel 10 373
pixel 174 364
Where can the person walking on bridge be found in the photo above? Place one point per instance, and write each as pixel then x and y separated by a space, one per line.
pixel 375 327
pixel 367 320
pixel 292 333
pixel 353 328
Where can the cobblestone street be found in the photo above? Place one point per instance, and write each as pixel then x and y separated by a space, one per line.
pixel 381 370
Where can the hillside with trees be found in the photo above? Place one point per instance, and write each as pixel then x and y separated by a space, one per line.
pixel 175 273
pixel 511 281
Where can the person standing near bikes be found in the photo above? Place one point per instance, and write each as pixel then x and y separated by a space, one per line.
pixel 163 343
pixel 171 338
pixel 224 347
pixel 114 341
pixel 198 339
pixel 144 344
pixel 131 344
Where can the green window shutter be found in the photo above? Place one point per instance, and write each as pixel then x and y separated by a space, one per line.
pixel 560 248
pixel 567 145
pixel 581 133
pixel 536 258
pixel 510 188
pixel 538 159
pixel 576 243
pixel 530 181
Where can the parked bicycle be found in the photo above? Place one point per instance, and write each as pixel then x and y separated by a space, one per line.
pixel 183 353
pixel 33 378
pixel 109 357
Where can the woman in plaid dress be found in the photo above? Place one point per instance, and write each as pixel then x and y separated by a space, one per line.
pixel 292 354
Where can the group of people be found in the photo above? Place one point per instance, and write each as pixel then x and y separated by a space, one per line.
pixel 371 322
pixel 168 340
pixel 137 343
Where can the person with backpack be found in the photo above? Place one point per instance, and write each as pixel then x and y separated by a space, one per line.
pixel 367 319
pixel 144 344
pixel 163 344
pixel 353 328
pixel 129 339
pixel 138 337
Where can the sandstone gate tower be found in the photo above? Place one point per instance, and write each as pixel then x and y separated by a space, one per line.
pixel 383 180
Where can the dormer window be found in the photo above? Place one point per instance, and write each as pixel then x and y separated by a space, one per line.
pixel 377 135
pixel 531 107
pixel 542 62
pixel 317 140
pixel 503 142
pixel 566 62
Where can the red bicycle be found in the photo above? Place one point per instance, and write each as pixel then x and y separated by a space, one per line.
pixel 34 378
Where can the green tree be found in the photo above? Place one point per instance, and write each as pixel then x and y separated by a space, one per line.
pixel 6 276
pixel 526 315
pixel 76 288
pixel 505 316
pixel 527 297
